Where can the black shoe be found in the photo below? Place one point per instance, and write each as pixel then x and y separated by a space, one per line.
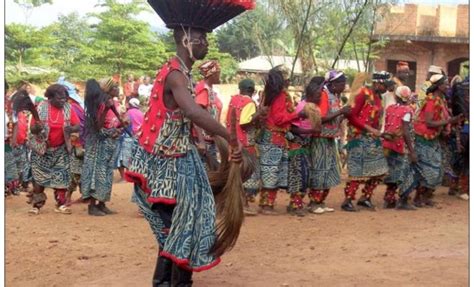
pixel 366 203
pixel 105 209
pixel 162 274
pixel 402 204
pixel 300 212
pixel 348 206
pixel 389 205
pixel 181 277
pixel 94 210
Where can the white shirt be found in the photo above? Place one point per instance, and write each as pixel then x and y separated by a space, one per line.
pixel 145 90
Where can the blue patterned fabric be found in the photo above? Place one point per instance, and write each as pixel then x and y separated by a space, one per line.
pixel 51 170
pixel 429 169
pixel 273 166
pixel 324 169
pixel 124 151
pixel 98 168
pixel 21 157
pixel 11 172
pixel 252 185
pixel 193 228
pixel 400 172
pixel 365 158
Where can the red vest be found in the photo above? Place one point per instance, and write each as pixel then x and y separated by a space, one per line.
pixel 394 125
pixel 437 106
pixel 237 103
pixel 164 131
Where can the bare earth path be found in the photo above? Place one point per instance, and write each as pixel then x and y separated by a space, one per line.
pixel 428 247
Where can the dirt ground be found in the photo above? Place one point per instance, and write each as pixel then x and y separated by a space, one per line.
pixel 427 247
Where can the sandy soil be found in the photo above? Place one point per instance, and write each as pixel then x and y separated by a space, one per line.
pixel 427 247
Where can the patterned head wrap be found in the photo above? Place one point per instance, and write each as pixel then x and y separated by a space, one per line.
pixel 209 68
pixel 403 93
pixel 381 77
pixel 435 69
pixel 134 102
pixel 402 66
pixel 71 89
pixel 334 76
pixel 106 84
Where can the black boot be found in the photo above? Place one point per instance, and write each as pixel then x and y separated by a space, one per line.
pixel 365 202
pixel 427 197
pixel 402 204
pixel 105 209
pixel 181 277
pixel 162 275
pixel 348 206
pixel 94 210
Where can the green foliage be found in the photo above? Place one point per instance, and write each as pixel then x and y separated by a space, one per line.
pixel 123 43
pixel 255 33
pixel 32 3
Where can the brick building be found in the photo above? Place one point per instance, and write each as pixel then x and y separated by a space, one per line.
pixel 422 36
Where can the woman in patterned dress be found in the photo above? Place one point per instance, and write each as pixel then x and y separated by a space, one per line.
pixel 51 169
pixel 101 143
pixel 433 119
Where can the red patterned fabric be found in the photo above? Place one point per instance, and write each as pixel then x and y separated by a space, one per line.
pixel 367 110
pixel 351 189
pixel 316 196
pixel 154 118
pixel 330 129
pixel 390 193
pixel 394 126
pixel 237 103
pixel 279 118
pixel 56 125
pixel 438 108
pixel 22 128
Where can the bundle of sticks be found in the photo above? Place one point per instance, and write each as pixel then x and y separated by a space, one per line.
pixel 226 183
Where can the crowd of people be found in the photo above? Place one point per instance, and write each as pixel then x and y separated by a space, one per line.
pixel 166 138
pixel 385 133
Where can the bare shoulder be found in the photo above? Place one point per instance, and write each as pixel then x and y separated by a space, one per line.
pixel 175 79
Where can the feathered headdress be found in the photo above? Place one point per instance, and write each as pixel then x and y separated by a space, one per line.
pixel 201 14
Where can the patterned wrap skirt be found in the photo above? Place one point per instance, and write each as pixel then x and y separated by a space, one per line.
pixel 252 185
pixel 298 165
pixel 124 151
pixel 77 163
pixel 11 172
pixel 429 169
pixel 365 158
pixel 324 169
pixel 21 159
pixel 273 166
pixel 98 167
pixel 52 170
pixel 400 172
pixel 448 147
pixel 180 181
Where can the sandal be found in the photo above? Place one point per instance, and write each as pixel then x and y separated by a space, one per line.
pixel 34 211
pixel 63 209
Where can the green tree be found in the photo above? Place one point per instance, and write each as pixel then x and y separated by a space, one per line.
pixel 70 49
pixel 29 5
pixel 121 43
pixel 24 45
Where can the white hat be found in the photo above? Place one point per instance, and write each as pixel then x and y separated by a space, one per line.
pixel 134 102
pixel 436 78
pixel 435 69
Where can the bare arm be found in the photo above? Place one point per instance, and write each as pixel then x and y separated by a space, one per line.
pixel 436 124
pixel 408 141
pixel 177 84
